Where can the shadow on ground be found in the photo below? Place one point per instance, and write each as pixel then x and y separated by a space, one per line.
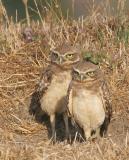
pixel 40 117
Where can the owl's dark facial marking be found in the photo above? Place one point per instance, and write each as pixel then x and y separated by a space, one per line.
pixel 55 57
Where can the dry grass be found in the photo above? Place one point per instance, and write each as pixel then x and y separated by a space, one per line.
pixel 106 40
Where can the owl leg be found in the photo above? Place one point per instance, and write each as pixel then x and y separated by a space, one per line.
pixel 97 133
pixel 52 120
pixel 66 125
pixel 87 132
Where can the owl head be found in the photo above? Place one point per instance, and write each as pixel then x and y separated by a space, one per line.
pixel 65 55
pixel 85 72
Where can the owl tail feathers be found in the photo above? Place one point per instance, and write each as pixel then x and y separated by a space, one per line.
pixel 104 127
pixel 108 116
pixel 34 104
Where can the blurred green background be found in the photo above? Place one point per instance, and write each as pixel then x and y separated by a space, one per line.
pixel 74 7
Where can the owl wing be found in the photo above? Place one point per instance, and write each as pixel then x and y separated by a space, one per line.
pixel 69 100
pixel 70 105
pixel 45 80
pixel 42 86
pixel 108 107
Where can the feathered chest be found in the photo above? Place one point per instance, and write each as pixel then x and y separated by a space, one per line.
pixel 86 107
pixel 86 96
pixel 59 85
pixel 60 81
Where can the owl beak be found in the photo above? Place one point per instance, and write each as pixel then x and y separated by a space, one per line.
pixel 81 77
pixel 60 60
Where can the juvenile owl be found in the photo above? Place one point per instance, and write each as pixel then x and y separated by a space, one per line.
pixel 54 83
pixel 88 99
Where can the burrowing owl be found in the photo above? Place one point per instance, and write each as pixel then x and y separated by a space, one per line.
pixel 54 83
pixel 88 99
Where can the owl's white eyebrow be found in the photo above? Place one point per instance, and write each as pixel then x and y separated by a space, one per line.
pixel 68 53
pixel 92 70
pixel 76 70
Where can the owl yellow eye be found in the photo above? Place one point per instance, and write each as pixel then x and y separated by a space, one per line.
pixel 69 56
pixel 90 73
